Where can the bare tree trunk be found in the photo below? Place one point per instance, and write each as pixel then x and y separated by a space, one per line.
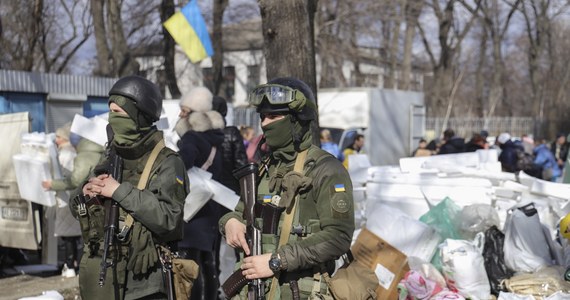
pixel 288 34
pixel 396 8
pixel 123 62
pixel 34 37
pixel 218 58
pixel 537 23
pixel 480 76
pixel 103 57
pixel 412 10
pixel 166 11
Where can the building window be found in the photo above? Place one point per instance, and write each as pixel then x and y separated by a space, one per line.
pixel 34 104
pixel 95 106
pixel 227 86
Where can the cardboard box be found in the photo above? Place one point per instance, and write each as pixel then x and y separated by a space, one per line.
pixel 389 264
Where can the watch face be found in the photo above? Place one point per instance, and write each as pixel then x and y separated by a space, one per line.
pixel 275 264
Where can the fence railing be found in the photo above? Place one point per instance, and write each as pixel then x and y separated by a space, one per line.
pixel 465 127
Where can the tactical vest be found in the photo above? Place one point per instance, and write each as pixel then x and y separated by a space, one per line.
pixel 302 228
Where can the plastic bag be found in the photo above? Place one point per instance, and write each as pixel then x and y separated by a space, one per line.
pixel 464 270
pixel 528 245
pixel 477 218
pixel 494 258
pixel 199 194
pixel 443 218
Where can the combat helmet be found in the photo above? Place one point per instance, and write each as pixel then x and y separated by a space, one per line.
pixel 145 94
pixel 286 95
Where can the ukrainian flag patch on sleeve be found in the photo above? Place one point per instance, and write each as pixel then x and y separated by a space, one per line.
pixel 266 198
pixel 179 180
pixel 339 188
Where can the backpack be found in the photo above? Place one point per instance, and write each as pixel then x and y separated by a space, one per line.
pixel 525 163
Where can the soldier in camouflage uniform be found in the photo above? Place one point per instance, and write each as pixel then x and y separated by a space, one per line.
pixel 324 218
pixel 157 210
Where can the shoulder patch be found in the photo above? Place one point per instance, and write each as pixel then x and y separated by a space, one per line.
pixel 339 188
pixel 340 205
pixel 179 180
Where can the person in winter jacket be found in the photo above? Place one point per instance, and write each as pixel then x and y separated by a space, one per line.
pixel 356 147
pixel 508 156
pixel 201 145
pixel 543 157
pixel 66 226
pixel 559 149
pixel 233 149
pixel 452 143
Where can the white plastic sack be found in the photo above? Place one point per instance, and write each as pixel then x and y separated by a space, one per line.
pixel 199 194
pixel 528 245
pixel 412 237
pixel 464 269
pixel 477 218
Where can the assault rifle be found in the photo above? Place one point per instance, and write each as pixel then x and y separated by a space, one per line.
pixel 248 183
pixel 114 167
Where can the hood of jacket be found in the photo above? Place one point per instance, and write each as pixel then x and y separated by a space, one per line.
pixel 200 122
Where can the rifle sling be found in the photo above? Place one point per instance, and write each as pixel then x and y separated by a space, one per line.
pixel 288 219
pixel 129 220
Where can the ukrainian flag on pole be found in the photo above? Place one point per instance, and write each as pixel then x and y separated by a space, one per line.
pixel 188 29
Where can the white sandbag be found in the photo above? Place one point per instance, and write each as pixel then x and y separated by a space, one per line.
pixel 199 194
pixel 408 235
pixel 528 245
pixel 464 269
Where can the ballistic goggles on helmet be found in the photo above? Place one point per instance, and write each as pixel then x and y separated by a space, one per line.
pixel 277 94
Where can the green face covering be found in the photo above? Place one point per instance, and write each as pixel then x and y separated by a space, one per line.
pixel 125 129
pixel 278 134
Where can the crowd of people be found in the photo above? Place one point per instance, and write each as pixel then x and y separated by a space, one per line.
pixel 534 156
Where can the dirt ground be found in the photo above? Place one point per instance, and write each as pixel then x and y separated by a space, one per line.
pixel 20 286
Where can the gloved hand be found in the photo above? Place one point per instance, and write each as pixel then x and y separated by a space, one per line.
pixel 142 251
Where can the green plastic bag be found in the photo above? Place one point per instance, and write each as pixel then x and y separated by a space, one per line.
pixel 443 218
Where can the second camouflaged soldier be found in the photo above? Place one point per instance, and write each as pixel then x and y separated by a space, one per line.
pixel 323 221
pixel 149 215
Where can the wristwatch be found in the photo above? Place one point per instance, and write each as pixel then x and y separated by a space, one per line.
pixel 275 263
